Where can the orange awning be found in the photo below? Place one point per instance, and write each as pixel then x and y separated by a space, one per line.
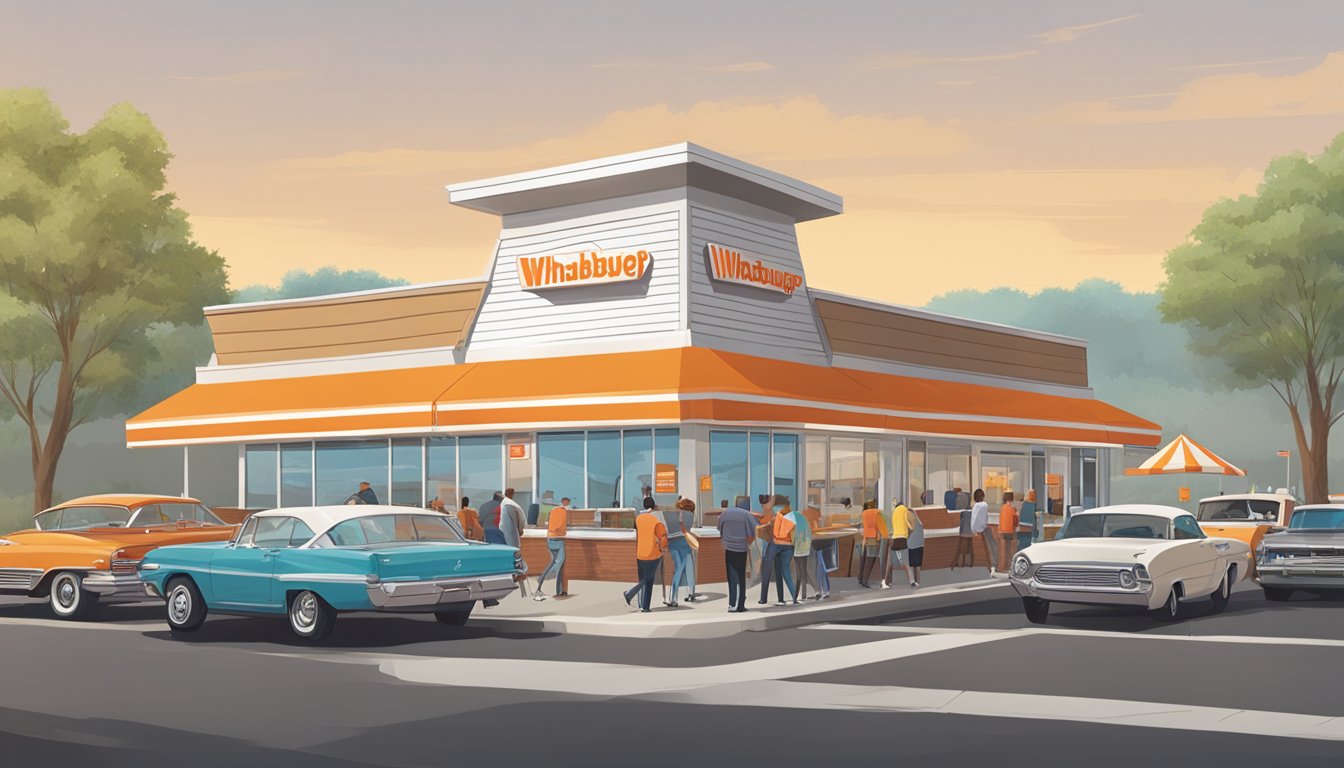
pixel 1184 455
pixel 661 386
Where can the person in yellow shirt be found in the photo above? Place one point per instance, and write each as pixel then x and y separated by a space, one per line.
pixel 900 533
pixel 875 535
pixel 650 544
pixel 556 524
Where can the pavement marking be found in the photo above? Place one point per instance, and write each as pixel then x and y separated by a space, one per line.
pixel 64 624
pixel 794 695
pixel 1004 634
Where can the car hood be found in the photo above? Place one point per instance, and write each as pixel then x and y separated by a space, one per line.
pixel 1305 538
pixel 1123 551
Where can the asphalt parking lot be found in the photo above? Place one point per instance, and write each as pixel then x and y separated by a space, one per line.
pixel 960 682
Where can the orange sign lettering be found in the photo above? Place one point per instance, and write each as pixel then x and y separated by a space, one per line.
pixel 665 478
pixel 584 268
pixel 517 450
pixel 728 265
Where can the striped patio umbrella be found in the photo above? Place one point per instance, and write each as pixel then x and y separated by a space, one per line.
pixel 1185 455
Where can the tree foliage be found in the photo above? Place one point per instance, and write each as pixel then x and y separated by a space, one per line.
pixel 1261 280
pixel 93 255
pixel 298 284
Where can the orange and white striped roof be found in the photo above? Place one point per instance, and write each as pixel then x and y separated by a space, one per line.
pixel 671 386
pixel 1185 455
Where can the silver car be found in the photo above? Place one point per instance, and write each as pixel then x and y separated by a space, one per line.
pixel 1309 555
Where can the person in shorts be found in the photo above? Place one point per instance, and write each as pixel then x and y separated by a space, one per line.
pixel 914 547
pixel 900 532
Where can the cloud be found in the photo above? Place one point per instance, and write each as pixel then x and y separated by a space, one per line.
pixel 786 134
pixel 746 66
pixel 244 78
pixel 1069 34
pixel 908 59
pixel 1238 64
pixel 1316 91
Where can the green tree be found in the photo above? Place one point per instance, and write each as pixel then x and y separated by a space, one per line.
pixel 1261 282
pixel 298 284
pixel 94 255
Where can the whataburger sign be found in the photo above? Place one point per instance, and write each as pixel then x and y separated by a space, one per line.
pixel 729 265
pixel 584 268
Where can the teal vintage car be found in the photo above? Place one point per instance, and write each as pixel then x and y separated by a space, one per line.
pixel 311 563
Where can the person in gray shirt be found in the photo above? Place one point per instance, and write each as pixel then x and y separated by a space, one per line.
pixel 737 529
pixel 512 520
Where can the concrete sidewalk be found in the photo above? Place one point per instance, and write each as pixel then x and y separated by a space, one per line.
pixel 597 608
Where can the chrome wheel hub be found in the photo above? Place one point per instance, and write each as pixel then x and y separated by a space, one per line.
pixel 66 593
pixel 179 605
pixel 304 612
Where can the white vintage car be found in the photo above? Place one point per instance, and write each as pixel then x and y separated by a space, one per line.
pixel 1130 554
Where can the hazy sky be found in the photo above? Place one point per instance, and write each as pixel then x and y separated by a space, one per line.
pixel 975 143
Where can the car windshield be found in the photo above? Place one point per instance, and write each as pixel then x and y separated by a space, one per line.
pixel 78 518
pixel 172 512
pixel 388 530
pixel 1224 509
pixel 1115 526
pixel 1318 519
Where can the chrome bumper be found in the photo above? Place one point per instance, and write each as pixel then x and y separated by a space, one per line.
pixel 427 595
pixel 1301 576
pixel 114 585
pixel 1086 595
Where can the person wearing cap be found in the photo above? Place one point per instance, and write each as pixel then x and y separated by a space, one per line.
pixel 650 544
pixel 555 543
pixel 737 530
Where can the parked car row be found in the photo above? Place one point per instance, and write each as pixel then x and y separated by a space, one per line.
pixel 1163 558
pixel 305 564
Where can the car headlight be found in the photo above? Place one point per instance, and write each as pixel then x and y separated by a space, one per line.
pixel 1020 565
pixel 1128 579
pixel 1141 573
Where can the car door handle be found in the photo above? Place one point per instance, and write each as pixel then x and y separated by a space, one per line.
pixel 1221 546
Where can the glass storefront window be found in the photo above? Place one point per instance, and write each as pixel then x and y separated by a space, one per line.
pixel 667 461
pixel 519 469
pixel 846 472
pixel 785 462
pixel 296 475
pixel 1003 472
pixel 260 467
pixel 637 477
pixel 441 473
pixel 481 463
pixel 915 455
pixel 814 471
pixel 948 467
pixel 872 471
pixel 341 467
pixel 560 467
pixel 758 465
pixel 1088 470
pixel 407 474
pixel 604 469
pixel 728 466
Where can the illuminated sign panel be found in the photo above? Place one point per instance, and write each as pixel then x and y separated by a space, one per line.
pixel 594 267
pixel 729 265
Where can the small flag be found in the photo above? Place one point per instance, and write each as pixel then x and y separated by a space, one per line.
pixel 1285 454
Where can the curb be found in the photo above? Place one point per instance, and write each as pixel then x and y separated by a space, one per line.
pixel 634 625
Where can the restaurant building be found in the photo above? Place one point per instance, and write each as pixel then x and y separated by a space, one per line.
pixel 645 322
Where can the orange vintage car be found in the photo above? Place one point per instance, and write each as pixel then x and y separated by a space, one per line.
pixel 1244 516
pixel 87 550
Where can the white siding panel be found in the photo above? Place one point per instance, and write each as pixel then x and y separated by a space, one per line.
pixel 739 317
pixel 511 316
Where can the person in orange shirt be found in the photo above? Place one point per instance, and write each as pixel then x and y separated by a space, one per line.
pixel 1008 528
pixel 779 553
pixel 650 544
pixel 555 542
pixel 875 534
pixel 470 520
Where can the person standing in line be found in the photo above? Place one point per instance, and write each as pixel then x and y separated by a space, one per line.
pixel 490 518
pixel 1028 522
pixel 512 521
pixel 737 530
pixel 779 558
pixel 900 541
pixel 915 550
pixel 874 536
pixel 965 541
pixel 765 518
pixel 1008 529
pixel 823 551
pixel 802 553
pixel 470 520
pixel 650 544
pixel 884 551
pixel 556 523
pixel 980 527
pixel 679 521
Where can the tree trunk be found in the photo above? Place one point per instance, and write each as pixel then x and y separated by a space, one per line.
pixel 1315 461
